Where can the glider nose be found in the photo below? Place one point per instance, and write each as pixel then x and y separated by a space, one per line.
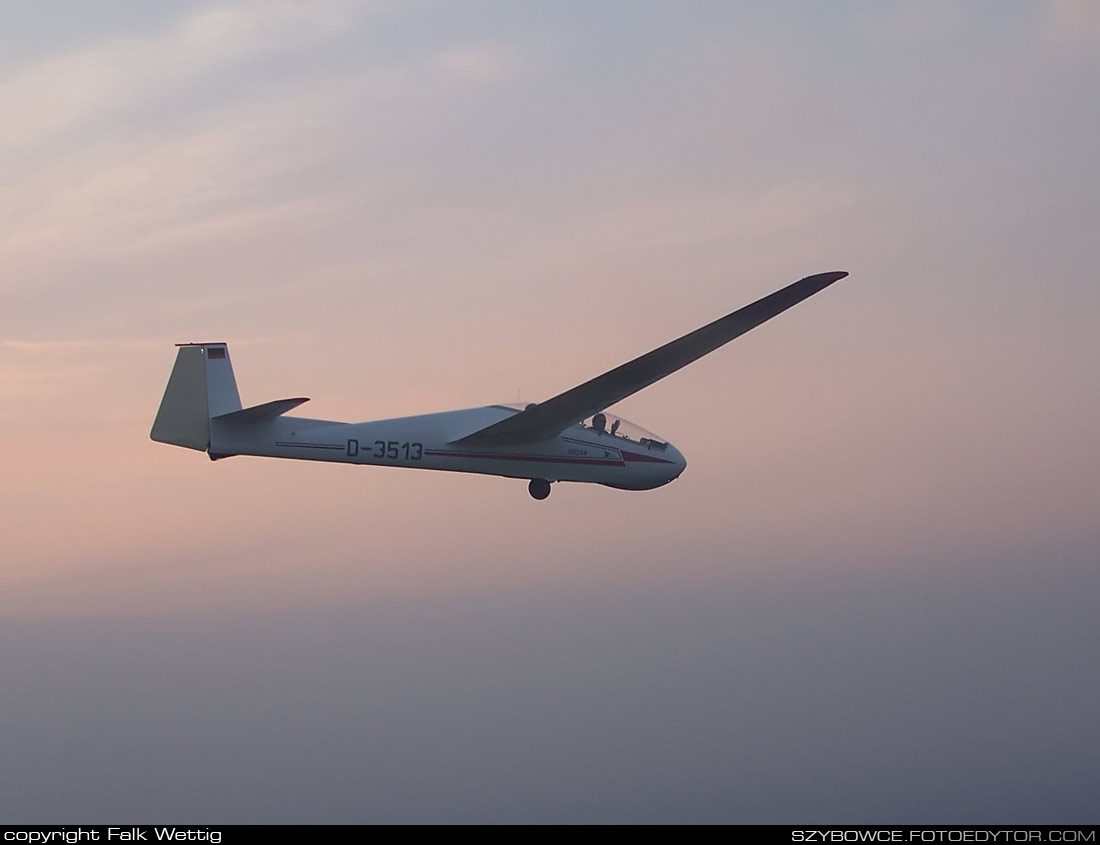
pixel 678 460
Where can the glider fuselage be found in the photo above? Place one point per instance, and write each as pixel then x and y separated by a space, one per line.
pixel 579 453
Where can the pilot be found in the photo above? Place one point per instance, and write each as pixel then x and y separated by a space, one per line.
pixel 599 422
pixel 615 427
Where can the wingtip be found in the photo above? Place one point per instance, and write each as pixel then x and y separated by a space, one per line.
pixel 819 281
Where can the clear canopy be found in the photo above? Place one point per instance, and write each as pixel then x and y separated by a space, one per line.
pixel 611 425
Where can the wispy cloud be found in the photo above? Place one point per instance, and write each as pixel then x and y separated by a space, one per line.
pixel 1075 22
pixel 783 208
pixel 205 176
pixel 478 63
pixel 63 90
pixel 908 22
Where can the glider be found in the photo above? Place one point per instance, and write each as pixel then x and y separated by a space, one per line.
pixel 569 437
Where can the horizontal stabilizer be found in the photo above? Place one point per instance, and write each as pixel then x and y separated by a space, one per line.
pixel 266 411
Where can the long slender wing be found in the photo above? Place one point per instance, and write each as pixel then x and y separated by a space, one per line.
pixel 552 416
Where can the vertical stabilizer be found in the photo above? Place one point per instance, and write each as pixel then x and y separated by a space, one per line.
pixel 201 386
pixel 221 386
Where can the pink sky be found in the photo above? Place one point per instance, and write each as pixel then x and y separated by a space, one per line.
pixel 222 174
pixel 872 593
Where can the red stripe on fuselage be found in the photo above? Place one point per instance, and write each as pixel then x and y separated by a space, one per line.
pixel 637 457
pixel 543 459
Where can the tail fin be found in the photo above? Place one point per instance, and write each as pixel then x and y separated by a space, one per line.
pixel 201 386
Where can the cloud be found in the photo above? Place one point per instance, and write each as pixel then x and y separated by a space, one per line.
pixel 478 63
pixel 1074 22
pixel 910 21
pixel 782 208
pixel 201 178
pixel 58 92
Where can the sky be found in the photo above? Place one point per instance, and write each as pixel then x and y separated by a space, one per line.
pixel 871 597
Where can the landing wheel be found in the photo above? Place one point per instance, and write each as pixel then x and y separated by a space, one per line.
pixel 539 488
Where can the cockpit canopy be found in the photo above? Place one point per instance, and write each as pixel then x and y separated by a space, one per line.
pixel 611 425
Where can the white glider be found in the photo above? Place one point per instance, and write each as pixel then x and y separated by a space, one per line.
pixel 570 437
